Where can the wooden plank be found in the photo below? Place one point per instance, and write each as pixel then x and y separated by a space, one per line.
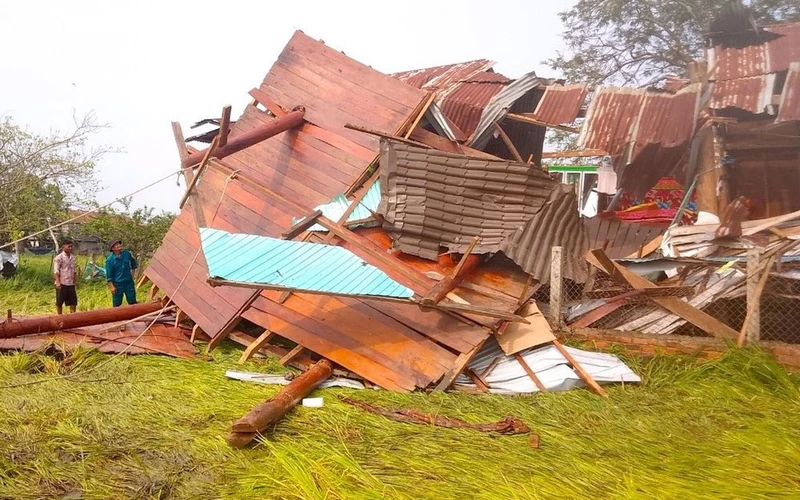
pixel 301 226
pixel 750 331
pixel 180 316
pixel 257 344
pixel 183 151
pixel 574 153
pixel 675 305
pixel 533 121
pixel 508 143
pixel 530 372
pixel 224 126
pixel 583 374
pixel 420 115
pixel 292 354
pixel 461 362
pixel 516 337
pixel 230 324
pixel 477 380
pixel 262 97
pixel 203 165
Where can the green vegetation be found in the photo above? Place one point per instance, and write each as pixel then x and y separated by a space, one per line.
pixel 153 427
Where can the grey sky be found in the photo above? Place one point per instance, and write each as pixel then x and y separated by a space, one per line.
pixel 141 65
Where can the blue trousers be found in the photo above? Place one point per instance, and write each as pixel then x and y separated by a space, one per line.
pixel 126 289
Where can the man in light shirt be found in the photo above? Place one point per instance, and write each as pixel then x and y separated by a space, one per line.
pixel 65 271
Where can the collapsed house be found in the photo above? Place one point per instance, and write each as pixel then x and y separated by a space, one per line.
pixel 396 180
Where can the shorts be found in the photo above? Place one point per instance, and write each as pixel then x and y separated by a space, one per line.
pixel 66 295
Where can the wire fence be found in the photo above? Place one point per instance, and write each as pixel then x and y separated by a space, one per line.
pixel 772 312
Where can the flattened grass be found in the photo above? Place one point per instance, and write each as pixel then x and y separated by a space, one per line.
pixel 153 427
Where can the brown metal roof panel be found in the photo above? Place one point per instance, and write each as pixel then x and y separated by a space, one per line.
pixel 777 47
pixel 556 224
pixel 465 103
pixel 789 108
pixel 561 104
pixel 751 94
pixel 611 118
pixel 442 77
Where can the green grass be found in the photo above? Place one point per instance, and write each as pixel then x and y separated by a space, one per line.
pixel 153 427
pixel 31 290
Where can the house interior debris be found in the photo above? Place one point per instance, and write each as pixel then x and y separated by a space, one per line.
pixel 410 232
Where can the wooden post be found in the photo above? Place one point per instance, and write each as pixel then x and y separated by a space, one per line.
pixel 271 411
pixel 257 344
pixel 753 332
pixel 556 293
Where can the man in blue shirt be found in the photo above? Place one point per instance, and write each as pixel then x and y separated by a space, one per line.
pixel 120 265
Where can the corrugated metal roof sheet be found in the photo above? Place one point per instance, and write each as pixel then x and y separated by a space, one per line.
pixel 610 119
pixel 751 94
pixel 433 199
pixel 465 102
pixel 647 133
pixel 500 104
pixel 789 108
pixel 335 209
pixel 443 77
pixel 561 104
pixel 557 223
pixel 780 46
pixel 298 265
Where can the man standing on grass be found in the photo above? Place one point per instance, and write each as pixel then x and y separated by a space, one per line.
pixel 120 265
pixel 65 271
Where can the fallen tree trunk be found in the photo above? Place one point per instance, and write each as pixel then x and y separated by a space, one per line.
pixel 271 411
pixel 46 324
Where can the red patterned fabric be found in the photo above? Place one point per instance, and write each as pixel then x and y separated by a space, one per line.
pixel 660 204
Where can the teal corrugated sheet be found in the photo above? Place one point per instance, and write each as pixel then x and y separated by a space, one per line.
pixel 299 265
pixel 335 208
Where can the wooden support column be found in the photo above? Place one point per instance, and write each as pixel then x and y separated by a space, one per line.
pixel 224 126
pixel 753 319
pixel 289 356
pixel 556 292
pixel 179 317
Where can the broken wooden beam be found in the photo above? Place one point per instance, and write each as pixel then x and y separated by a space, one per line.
pixel 530 372
pixel 675 305
pixel 583 374
pixel 510 145
pixel 203 165
pixel 251 137
pixel 467 264
pixel 271 411
pixel 261 97
pixel 524 118
pixel 575 153
pixel 47 324
pixel 256 345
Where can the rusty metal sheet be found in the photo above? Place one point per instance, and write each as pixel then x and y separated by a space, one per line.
pixel 610 119
pixel 465 102
pixel 500 105
pixel 443 77
pixel 751 94
pixel 776 47
pixel 561 104
pixel 789 108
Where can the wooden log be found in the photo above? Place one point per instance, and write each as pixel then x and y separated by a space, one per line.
pixel 251 137
pixel 47 324
pixel 271 411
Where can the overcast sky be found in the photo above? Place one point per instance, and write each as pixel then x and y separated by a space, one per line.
pixel 140 65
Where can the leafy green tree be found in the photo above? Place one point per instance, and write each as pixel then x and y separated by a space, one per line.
pixel 639 42
pixel 141 230
pixel 41 174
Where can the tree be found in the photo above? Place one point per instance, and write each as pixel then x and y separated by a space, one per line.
pixel 639 42
pixel 141 230
pixel 41 174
